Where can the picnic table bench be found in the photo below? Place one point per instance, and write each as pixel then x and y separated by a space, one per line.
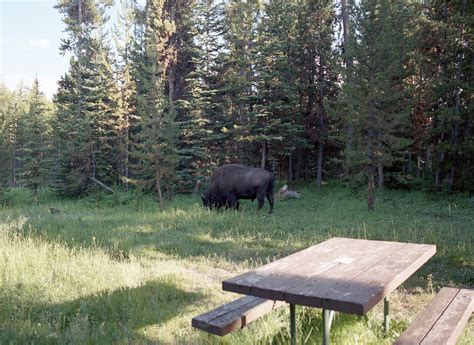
pixel 442 321
pixel 234 315
pixel 340 274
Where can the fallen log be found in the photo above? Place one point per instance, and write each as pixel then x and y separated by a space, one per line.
pixel 284 193
pixel 101 184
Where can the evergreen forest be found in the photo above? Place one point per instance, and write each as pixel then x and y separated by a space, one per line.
pixel 374 93
pixel 363 108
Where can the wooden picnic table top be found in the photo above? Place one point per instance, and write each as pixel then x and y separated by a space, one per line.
pixel 342 274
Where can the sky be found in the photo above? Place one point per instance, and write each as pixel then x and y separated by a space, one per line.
pixel 30 34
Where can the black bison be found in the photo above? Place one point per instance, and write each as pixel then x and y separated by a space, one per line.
pixel 232 182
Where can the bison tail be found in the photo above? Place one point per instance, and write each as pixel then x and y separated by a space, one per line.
pixel 271 185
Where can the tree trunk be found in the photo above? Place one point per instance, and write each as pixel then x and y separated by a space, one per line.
pixel 348 63
pixel 418 165
pixel 455 158
pixel 171 68
pixel 158 189
pixel 264 155
pixel 126 158
pixel 93 160
pixel 437 179
pixel 370 189
pixel 345 29
pixel 443 68
pixel 79 59
pixel 441 157
pixel 243 113
pixel 322 124
pixel 371 156
pixel 306 167
pixel 349 143
pixel 409 163
pixel 380 175
pixel 13 170
pixel 290 169
pixel 457 110
pixel 319 169
pixel 429 162
pixel 171 78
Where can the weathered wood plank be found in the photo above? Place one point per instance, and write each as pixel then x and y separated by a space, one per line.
pixel 225 308
pixel 234 315
pixel 277 286
pixel 427 318
pixel 452 322
pixel 244 282
pixel 247 313
pixel 360 294
pixel 362 255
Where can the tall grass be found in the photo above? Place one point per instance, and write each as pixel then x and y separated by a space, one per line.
pixel 117 269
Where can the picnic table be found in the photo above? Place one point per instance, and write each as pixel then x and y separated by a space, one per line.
pixel 340 274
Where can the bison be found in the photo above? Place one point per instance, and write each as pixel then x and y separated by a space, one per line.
pixel 232 182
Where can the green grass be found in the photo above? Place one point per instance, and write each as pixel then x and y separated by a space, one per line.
pixel 120 270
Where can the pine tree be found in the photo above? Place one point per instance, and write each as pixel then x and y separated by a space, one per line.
pixel 86 101
pixel 6 98
pixel 182 14
pixel 14 137
pixel 36 147
pixel 201 117
pixel 100 111
pixel 450 112
pixel 346 70
pixel 155 146
pixel 316 36
pixel 127 109
pixel 274 122
pixel 241 19
pixel 71 164
pixel 376 97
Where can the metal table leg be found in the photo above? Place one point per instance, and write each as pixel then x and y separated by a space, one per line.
pixel 327 321
pixel 293 324
pixel 386 318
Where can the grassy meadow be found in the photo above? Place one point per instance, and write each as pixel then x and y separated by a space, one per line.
pixel 118 270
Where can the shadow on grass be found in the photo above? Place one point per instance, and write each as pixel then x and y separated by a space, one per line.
pixel 108 317
pixel 230 235
pixel 310 326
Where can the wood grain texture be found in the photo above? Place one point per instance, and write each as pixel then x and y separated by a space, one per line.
pixel 364 291
pixel 278 271
pixel 341 274
pixel 427 318
pixel 452 322
pixel 443 319
pixel 234 315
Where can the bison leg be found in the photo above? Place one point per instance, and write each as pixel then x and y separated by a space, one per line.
pixel 232 203
pixel 261 200
pixel 218 206
pixel 229 204
pixel 270 201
